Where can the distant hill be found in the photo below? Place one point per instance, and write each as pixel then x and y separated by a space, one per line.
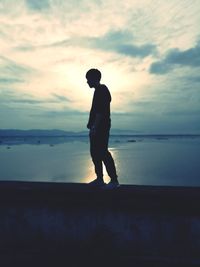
pixel 37 132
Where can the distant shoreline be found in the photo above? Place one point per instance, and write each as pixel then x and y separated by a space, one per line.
pixel 61 133
pixel 111 135
pixel 10 140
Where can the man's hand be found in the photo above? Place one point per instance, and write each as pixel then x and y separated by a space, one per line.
pixel 95 126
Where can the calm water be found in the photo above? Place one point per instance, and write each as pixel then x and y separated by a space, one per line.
pixel 140 160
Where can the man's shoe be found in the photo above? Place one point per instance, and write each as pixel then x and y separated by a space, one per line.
pixel 112 185
pixel 97 182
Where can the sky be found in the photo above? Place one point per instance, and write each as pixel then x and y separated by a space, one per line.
pixel 148 52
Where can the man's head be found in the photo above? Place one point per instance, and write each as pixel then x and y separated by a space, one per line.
pixel 93 77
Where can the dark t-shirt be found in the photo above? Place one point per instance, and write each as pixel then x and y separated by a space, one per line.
pixel 100 105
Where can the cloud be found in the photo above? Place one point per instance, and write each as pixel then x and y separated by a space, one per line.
pixel 137 51
pixel 61 98
pixel 159 67
pixel 10 80
pixel 113 41
pixel 177 58
pixel 9 96
pixel 63 113
pixel 47 46
pixel 11 67
pixel 28 101
pixel 194 79
pixel 12 72
pixel 185 113
pixel 120 42
pixel 38 5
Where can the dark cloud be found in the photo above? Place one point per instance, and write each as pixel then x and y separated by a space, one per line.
pixel 177 58
pixel 159 67
pixel 190 57
pixel 38 5
pixel 122 43
pixel 194 79
pixel 118 36
pixel 136 51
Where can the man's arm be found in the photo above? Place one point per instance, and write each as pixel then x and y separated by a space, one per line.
pixel 101 108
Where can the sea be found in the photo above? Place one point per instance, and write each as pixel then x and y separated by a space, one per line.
pixel 162 160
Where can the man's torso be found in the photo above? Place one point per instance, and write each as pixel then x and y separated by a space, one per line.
pixel 101 105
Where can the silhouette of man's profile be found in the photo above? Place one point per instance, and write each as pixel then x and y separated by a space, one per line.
pixel 99 125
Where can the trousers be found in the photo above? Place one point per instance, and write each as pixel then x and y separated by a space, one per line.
pixel 100 154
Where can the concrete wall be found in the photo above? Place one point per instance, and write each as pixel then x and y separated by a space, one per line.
pixel 142 224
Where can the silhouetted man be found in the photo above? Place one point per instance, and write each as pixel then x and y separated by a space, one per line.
pixel 99 125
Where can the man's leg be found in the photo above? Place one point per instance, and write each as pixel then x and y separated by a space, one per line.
pixel 96 157
pixel 98 168
pixel 110 166
pixel 107 157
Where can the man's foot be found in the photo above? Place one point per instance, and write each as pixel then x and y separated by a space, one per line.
pixel 112 185
pixel 97 182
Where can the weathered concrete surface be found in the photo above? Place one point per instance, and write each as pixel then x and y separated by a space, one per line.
pixel 148 226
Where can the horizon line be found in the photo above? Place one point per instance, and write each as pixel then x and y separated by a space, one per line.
pixel 132 132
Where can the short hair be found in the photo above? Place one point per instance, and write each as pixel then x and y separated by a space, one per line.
pixel 94 74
